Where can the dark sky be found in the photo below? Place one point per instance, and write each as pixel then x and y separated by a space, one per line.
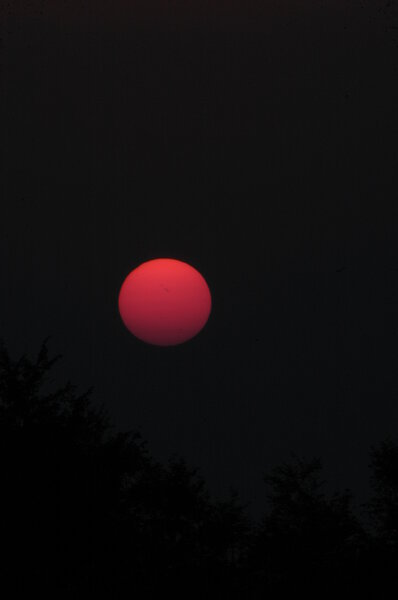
pixel 256 141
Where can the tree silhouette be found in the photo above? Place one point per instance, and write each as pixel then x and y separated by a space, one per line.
pixel 383 507
pixel 383 512
pixel 87 511
pixel 63 472
pixel 305 538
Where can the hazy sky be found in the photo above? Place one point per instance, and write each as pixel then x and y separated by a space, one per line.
pixel 256 141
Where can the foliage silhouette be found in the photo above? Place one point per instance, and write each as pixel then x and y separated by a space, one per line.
pixel 86 510
pixel 382 509
pixel 305 538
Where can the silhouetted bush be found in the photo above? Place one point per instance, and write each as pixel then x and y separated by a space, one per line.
pixel 305 537
pixel 86 511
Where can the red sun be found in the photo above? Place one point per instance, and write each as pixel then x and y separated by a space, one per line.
pixel 164 302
